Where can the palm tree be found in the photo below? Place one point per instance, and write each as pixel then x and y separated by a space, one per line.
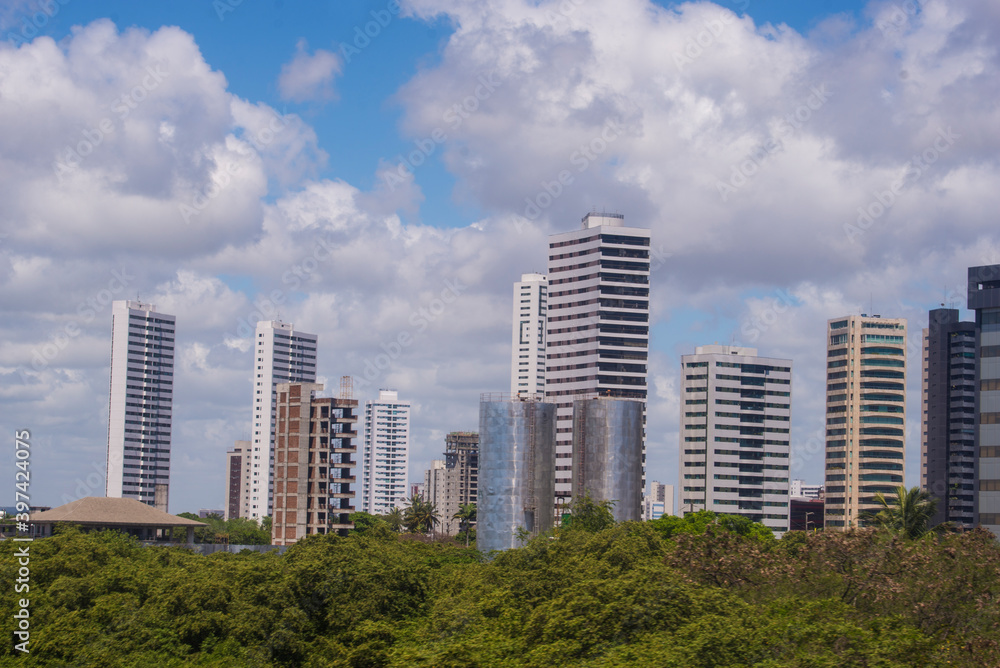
pixel 421 516
pixel 908 513
pixel 466 515
pixel 395 519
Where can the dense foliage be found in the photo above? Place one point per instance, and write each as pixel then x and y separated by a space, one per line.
pixel 632 594
pixel 235 531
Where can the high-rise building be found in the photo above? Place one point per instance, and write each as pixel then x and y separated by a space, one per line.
pixel 984 299
pixel 385 460
pixel 453 482
pixel 527 364
pixel 237 477
pixel 142 381
pixel 865 414
pixel 948 429
pixel 597 329
pixel 314 442
pixel 735 434
pixel 281 355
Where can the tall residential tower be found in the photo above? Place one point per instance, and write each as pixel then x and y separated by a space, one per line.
pixel 597 330
pixel 735 434
pixel 984 299
pixel 385 460
pixel 281 355
pixel 142 381
pixel 527 364
pixel 948 432
pixel 865 414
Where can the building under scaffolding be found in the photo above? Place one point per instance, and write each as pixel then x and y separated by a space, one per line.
pixel 607 453
pixel 516 469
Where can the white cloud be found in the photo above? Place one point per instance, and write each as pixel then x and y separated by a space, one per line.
pixel 309 77
pixel 523 91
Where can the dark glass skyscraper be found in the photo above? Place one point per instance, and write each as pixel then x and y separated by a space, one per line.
pixel 984 299
pixel 948 434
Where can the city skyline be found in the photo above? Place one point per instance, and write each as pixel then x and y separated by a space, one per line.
pixel 382 178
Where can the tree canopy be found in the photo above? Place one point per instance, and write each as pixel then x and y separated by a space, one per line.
pixel 623 595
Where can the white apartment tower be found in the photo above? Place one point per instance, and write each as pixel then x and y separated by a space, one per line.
pixel 527 364
pixel 597 329
pixel 735 431
pixel 385 459
pixel 142 381
pixel 281 355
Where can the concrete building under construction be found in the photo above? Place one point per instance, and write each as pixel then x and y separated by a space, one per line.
pixel 607 453
pixel 453 482
pixel 314 448
pixel 517 438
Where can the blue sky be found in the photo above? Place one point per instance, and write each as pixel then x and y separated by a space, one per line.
pixel 702 94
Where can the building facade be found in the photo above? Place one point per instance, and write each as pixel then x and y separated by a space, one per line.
pixel 597 329
pixel 805 513
pixel 948 429
pixel 142 381
pixel 527 364
pixel 984 299
pixel 800 489
pixel 865 415
pixel 433 487
pixel 517 438
pixel 608 455
pixel 314 449
pixel 735 434
pixel 453 482
pixel 281 355
pixel 385 459
pixel 659 501
pixel 237 477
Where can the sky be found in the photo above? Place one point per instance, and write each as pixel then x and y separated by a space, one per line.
pixel 367 170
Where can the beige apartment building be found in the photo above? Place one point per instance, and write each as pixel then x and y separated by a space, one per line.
pixel 865 414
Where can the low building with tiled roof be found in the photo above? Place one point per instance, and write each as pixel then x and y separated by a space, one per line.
pixel 96 513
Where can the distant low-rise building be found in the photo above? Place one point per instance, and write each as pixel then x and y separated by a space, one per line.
pixel 659 501
pixel 799 488
pixel 95 513
pixel 805 514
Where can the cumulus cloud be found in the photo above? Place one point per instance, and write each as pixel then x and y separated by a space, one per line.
pixel 309 77
pixel 747 149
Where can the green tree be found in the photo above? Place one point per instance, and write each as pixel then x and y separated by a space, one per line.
pixel 394 518
pixel 589 514
pixel 364 522
pixel 466 517
pixel 907 514
pixel 421 516
pixel 706 521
